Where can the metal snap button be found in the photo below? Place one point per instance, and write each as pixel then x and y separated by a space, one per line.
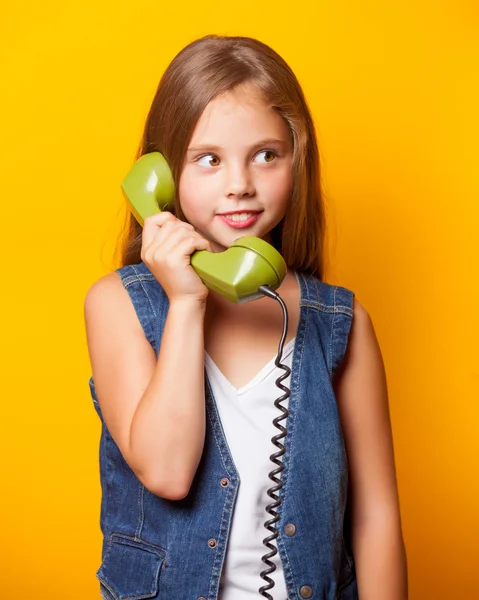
pixel 306 591
pixel 201 598
pixel 211 543
pixel 224 482
pixel 290 529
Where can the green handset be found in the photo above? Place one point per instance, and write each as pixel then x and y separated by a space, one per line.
pixel 238 272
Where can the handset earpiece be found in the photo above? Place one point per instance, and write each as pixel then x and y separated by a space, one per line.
pixel 149 186
pixel 238 272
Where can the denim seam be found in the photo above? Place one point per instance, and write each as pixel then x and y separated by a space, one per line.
pixel 141 279
pixel 225 524
pixel 141 596
pixel 141 512
pixel 288 572
pixel 148 277
pixel 108 588
pixel 137 277
pixel 214 435
pixel 144 544
pixel 226 513
pixel 317 290
pixel 331 341
pixel 328 308
pixel 102 593
pixel 306 287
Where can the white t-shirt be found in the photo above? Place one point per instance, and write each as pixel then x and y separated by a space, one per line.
pixel 247 417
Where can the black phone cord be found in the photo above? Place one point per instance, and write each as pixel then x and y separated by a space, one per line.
pixel 270 508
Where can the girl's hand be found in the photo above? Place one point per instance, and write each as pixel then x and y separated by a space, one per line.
pixel 167 244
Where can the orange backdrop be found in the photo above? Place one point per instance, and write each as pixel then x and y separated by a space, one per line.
pixel 394 92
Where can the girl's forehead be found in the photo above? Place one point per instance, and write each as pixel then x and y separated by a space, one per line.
pixel 245 96
pixel 240 113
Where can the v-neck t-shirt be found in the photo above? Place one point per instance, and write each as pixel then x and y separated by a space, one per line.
pixel 247 417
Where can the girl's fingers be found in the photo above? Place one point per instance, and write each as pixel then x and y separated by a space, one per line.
pixel 172 239
pixel 156 228
pixel 183 250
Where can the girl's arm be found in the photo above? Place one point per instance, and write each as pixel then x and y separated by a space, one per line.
pixel 154 409
pixel 361 391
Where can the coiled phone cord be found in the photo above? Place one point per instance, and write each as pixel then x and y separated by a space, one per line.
pixel 270 508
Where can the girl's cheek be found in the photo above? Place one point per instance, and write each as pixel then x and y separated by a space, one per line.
pixel 186 190
pixel 197 200
pixel 280 186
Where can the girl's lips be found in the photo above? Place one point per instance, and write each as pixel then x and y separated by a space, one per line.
pixel 240 224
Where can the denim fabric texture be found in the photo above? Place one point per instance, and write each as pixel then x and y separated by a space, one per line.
pixel 162 549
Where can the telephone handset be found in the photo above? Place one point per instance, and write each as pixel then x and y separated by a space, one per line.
pixel 249 269
pixel 238 272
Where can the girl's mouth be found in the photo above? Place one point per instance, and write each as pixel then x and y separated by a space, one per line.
pixel 240 220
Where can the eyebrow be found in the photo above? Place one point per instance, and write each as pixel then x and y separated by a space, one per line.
pixel 265 142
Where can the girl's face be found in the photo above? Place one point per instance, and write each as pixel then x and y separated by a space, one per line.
pixel 240 158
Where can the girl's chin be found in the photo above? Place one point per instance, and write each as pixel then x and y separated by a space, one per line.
pixel 222 242
pixel 216 245
pixel 216 248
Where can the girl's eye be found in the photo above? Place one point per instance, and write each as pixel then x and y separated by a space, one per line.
pixel 269 156
pixel 211 160
pixel 208 160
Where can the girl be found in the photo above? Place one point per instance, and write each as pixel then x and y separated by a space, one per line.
pixel 181 378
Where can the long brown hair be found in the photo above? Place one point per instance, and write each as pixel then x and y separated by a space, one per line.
pixel 201 71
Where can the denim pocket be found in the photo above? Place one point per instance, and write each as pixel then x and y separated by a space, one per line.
pixel 130 569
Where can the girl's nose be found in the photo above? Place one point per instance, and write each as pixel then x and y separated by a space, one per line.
pixel 239 183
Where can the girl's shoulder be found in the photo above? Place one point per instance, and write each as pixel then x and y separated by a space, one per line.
pixel 139 280
pixel 148 298
pixel 135 273
pixel 334 307
pixel 323 296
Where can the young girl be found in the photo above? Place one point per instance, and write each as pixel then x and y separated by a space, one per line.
pixel 184 379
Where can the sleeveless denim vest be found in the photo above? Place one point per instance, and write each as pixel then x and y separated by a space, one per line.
pixel 174 549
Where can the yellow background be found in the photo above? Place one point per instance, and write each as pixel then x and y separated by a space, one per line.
pixel 394 92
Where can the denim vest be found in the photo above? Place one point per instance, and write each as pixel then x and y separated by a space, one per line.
pixel 174 549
